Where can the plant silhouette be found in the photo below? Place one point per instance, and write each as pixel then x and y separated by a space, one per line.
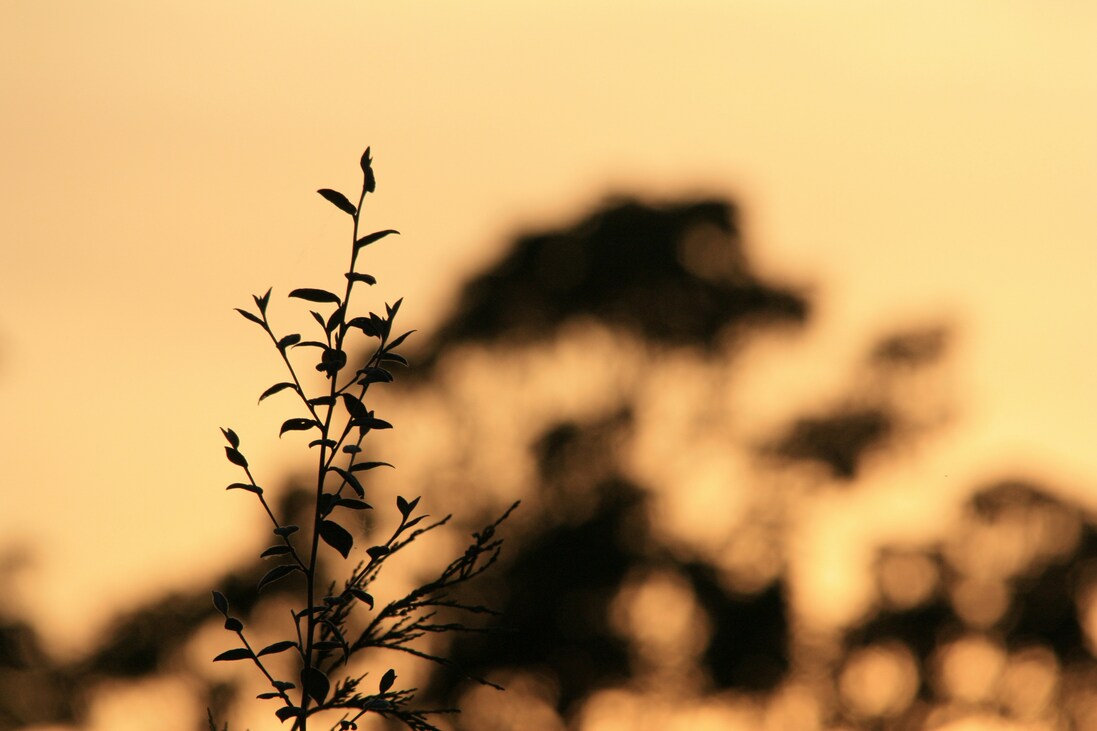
pixel 322 638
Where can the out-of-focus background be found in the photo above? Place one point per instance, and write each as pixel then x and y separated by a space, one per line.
pixel 777 315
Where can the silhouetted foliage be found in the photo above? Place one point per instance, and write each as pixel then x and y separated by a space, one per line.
pixel 912 348
pixel 323 641
pixel 837 440
pixel 673 274
pixel 32 689
pixel 1021 599
pixel 1013 578
pixel 749 647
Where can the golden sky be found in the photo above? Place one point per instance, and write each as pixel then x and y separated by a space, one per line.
pixel 159 162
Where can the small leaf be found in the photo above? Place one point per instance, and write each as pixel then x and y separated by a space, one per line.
pixel 381 325
pixel 355 407
pixel 394 308
pixel 396 343
pixel 369 182
pixel 404 506
pixel 366 325
pixel 315 683
pixel 348 502
pixel 220 603
pixel 332 361
pixel 361 596
pixel 327 502
pixel 286 530
pixel 334 629
pixel 261 302
pixel 394 358
pixel 339 200
pixel 377 552
pixel 283 685
pixel 329 443
pixel 277 573
pixel 336 536
pixel 315 295
pixel 232 624
pixel 235 457
pixel 326 645
pixel 230 435
pixel 281 646
pixel 296 425
pixel 287 712
pixel 352 449
pixel 350 479
pixel 289 340
pixel 373 423
pixel 375 375
pixel 240 653
pixel 319 318
pixel 276 388
pixel 254 318
pixel 268 696
pixel 322 401
pixel 310 610
pixel 275 551
pixel 414 521
pixel 387 681
pixel 245 486
pixel 335 320
pixel 358 277
pixel 373 237
pixel 368 466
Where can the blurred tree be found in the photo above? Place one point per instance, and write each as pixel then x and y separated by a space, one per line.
pixel 999 618
pixel 673 274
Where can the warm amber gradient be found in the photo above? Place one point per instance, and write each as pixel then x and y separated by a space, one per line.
pixel 159 161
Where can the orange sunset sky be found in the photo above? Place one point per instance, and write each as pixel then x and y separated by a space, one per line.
pixel 902 160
